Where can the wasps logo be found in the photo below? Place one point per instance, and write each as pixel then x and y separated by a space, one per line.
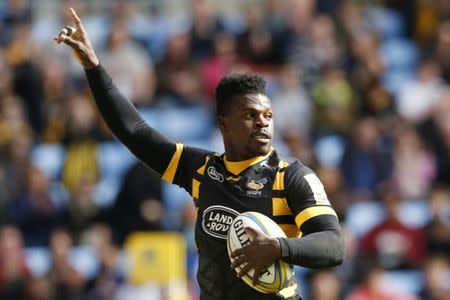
pixel 257 184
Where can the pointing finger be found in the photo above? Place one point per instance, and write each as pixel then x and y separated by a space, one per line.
pixel 76 20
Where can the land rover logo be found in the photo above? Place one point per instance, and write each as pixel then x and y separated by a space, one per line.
pixel 217 220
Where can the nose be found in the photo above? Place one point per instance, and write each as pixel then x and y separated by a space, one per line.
pixel 261 121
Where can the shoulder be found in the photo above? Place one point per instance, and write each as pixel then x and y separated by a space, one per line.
pixel 292 166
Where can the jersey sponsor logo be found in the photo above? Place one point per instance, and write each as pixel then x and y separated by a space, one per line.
pixel 255 187
pixel 217 220
pixel 212 172
pixel 317 188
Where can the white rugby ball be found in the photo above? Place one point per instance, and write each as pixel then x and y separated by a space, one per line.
pixel 275 277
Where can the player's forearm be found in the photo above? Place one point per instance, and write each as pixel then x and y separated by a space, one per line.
pixel 321 245
pixel 125 122
pixel 316 250
pixel 120 115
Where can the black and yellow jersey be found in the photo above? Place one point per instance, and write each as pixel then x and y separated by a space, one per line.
pixel 275 185
pixel 278 186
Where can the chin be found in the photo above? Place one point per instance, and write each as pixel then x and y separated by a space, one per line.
pixel 261 150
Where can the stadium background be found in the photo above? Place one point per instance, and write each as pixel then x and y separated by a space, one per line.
pixel 360 93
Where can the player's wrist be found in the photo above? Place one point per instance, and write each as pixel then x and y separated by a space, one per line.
pixel 276 247
pixel 91 63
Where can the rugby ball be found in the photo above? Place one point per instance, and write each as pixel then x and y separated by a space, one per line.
pixel 275 277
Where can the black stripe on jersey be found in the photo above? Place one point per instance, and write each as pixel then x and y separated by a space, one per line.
pixel 279 194
pixel 283 219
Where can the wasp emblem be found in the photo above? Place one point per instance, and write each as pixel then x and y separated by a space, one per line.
pixel 257 184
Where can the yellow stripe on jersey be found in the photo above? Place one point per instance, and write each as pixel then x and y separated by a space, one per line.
pixel 169 174
pixel 201 170
pixel 195 188
pixel 312 212
pixel 291 230
pixel 278 183
pixel 280 207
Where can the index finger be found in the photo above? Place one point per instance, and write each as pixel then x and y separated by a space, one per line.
pixel 76 20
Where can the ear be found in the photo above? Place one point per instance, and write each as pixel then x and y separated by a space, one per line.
pixel 222 122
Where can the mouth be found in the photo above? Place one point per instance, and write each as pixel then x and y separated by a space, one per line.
pixel 261 137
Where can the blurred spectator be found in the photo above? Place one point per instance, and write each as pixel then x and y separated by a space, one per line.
pixel 257 44
pixel 326 48
pixel 276 19
pixel 438 229
pixel 297 46
pixel 129 65
pixel 56 88
pixel 334 102
pixel 350 18
pixel 34 211
pixel 436 133
pixel 292 109
pixel 366 166
pixel 377 102
pixel 176 60
pixel 414 166
pixel 81 171
pixel 138 206
pixel 110 277
pixel 373 286
pixel 291 104
pixel 17 12
pixel 223 61
pixel 13 270
pixel 40 288
pixel 20 53
pixel 205 26
pixel 437 278
pixel 69 283
pixel 333 183
pixel 15 146
pixel 416 99
pixel 392 244
pixel 325 285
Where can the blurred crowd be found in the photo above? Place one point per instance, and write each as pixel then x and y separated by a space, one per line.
pixel 360 91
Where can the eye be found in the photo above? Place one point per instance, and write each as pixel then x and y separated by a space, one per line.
pixel 268 116
pixel 248 115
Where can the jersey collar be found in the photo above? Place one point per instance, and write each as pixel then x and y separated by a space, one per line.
pixel 236 167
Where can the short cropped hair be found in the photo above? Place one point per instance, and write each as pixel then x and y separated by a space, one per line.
pixel 234 85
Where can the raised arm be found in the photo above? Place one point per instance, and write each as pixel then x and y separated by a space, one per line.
pixel 120 115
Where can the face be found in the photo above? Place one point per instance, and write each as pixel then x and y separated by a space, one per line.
pixel 247 127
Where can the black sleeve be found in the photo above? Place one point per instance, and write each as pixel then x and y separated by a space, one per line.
pixel 322 247
pixel 321 243
pixel 152 148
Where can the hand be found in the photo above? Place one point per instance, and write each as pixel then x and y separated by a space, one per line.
pixel 258 255
pixel 79 42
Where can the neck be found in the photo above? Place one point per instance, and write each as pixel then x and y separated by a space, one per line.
pixel 237 166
